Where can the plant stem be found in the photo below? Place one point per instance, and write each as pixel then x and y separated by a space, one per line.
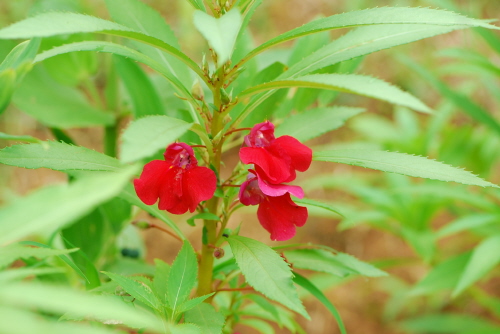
pixel 210 226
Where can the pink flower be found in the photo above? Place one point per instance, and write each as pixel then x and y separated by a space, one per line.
pixel 277 213
pixel 275 159
pixel 178 181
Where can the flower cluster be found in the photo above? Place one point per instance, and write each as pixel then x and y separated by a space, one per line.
pixel 177 181
pixel 275 161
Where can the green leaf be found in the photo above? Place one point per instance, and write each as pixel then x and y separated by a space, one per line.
pixel 55 299
pixel 207 318
pixel 145 99
pixel 401 163
pixel 317 260
pixel 483 259
pixel 443 276
pixel 182 277
pixel 118 50
pixel 22 273
pixel 204 215
pixel 310 202
pixel 55 207
pixel 147 135
pixel 460 100
pixel 162 272
pixel 138 290
pixel 7 83
pixel 128 194
pixel 55 23
pixel 57 156
pixel 10 253
pixel 266 272
pixel 466 223
pixel 16 321
pixel 184 329
pixel 348 83
pixel 315 122
pixel 55 105
pixel 189 304
pixel 140 17
pixel 220 32
pixel 366 40
pixel 22 53
pixel 266 305
pixel 198 4
pixel 29 139
pixel 448 323
pixel 373 16
pixel 65 258
pixel 306 284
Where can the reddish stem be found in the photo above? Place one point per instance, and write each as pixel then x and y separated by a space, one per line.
pixel 236 130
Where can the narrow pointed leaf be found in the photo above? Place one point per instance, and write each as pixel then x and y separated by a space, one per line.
pixel 187 305
pixel 310 202
pixel 483 259
pixel 306 284
pixel 57 156
pixel 54 207
pixel 401 163
pixel 56 23
pixel 182 277
pixel 162 272
pixel 266 272
pixel 374 16
pixel 10 253
pixel 348 83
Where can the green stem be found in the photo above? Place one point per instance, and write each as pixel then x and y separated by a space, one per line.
pixel 210 226
pixel 60 135
pixel 110 136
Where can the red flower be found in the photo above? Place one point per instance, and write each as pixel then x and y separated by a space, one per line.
pixel 178 182
pixel 275 159
pixel 277 213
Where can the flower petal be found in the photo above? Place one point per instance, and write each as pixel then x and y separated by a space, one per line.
pixel 272 168
pixel 199 184
pixel 275 190
pixel 171 192
pixel 250 193
pixel 300 154
pixel 280 215
pixel 148 185
pixel 261 135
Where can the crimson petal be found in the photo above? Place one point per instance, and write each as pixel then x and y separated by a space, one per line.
pixel 273 168
pixel 280 215
pixel 148 185
pixel 199 184
pixel 300 154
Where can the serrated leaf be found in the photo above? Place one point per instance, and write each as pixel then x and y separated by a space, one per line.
pixel 128 194
pixel 182 277
pixel 443 276
pixel 55 299
pixel 145 136
pixel 206 318
pixel 400 163
pixel 310 202
pixel 373 16
pixel 317 260
pixel 145 99
pixel 220 32
pixel 366 40
pixel 57 206
pixel 56 23
pixel 266 305
pixel 117 49
pixel 483 259
pixel 184 329
pixel 55 105
pixel 266 272
pixel 315 122
pixel 162 272
pixel 136 289
pixel 57 156
pixel 187 305
pixel 10 253
pixel 260 325
pixel 348 83
pixel 140 17
pixel 306 284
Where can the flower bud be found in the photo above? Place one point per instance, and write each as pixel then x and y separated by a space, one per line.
pixel 218 253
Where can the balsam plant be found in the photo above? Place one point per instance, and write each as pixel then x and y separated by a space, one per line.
pixel 222 101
